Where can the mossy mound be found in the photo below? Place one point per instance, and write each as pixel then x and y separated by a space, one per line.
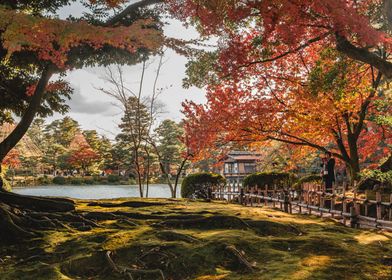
pixel 194 240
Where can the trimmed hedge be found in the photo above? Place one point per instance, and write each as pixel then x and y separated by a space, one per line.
pixel 113 178
pixel 76 181
pixel 280 179
pixel 59 180
pixel 196 185
pixel 307 179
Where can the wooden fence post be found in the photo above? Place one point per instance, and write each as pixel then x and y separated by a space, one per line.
pixel 300 200
pixel 273 196
pixel 379 206
pixel 333 198
pixel 229 195
pixel 265 195
pixel 242 196
pixel 366 204
pixel 286 201
pixel 344 203
pixel 390 208
pixel 209 193
pixel 251 190
pixel 353 217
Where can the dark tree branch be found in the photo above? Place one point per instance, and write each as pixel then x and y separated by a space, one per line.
pixel 364 107
pixel 304 143
pixel 363 54
pixel 342 148
pixel 300 47
pixel 130 11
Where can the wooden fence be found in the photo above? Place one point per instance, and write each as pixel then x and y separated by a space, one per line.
pixel 367 210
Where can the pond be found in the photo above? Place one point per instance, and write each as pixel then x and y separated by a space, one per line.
pixel 95 191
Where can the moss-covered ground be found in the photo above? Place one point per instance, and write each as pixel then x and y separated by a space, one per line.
pixel 195 240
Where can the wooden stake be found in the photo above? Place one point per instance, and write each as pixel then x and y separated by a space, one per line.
pixel 379 209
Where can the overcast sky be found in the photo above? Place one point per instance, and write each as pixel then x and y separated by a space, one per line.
pixel 94 110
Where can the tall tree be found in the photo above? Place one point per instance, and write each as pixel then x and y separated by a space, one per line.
pixel 134 132
pixel 171 151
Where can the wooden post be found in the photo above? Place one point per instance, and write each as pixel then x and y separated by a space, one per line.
pixel 319 196
pixel 344 203
pixel 300 200
pixel 266 195
pixel 209 193
pixel 286 201
pixel 333 198
pixel 353 217
pixel 379 206
pixel 280 197
pixel 366 204
pixel 258 199
pixel 242 196
pixel 229 195
pixel 273 195
pixel 390 208
pixel 251 190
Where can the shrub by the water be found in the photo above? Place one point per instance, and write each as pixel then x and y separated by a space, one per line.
pixel 76 181
pixel 59 180
pixel 89 181
pixel 45 180
pixel 113 178
pixel 279 179
pixel 196 185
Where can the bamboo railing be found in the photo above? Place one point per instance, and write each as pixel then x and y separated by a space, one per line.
pixel 359 210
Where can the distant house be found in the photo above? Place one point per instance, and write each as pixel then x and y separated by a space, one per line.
pixel 239 164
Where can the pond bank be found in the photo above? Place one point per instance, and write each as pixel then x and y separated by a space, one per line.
pixel 194 240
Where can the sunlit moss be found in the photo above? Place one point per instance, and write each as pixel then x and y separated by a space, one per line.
pixel 278 245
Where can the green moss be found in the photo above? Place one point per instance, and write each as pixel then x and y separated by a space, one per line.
pixel 279 245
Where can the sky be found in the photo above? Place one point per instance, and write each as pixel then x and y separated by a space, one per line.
pixel 95 110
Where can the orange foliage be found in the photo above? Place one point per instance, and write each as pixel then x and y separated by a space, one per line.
pixel 52 39
pixel 12 159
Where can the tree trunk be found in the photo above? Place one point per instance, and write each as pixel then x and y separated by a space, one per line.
pixel 20 130
pixel 37 203
pixel 354 158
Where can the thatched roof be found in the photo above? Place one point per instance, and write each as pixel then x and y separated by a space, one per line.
pixel 26 147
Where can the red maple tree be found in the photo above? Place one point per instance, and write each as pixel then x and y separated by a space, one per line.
pixel 272 79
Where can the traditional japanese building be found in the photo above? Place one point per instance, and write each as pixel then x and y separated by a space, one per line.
pixel 238 164
pixel 26 147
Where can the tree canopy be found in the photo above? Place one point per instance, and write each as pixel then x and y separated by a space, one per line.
pixel 308 73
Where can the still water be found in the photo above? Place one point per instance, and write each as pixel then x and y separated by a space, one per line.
pixel 95 191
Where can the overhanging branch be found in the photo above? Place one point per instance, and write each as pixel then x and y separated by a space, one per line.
pixel 362 54
pixel 130 11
